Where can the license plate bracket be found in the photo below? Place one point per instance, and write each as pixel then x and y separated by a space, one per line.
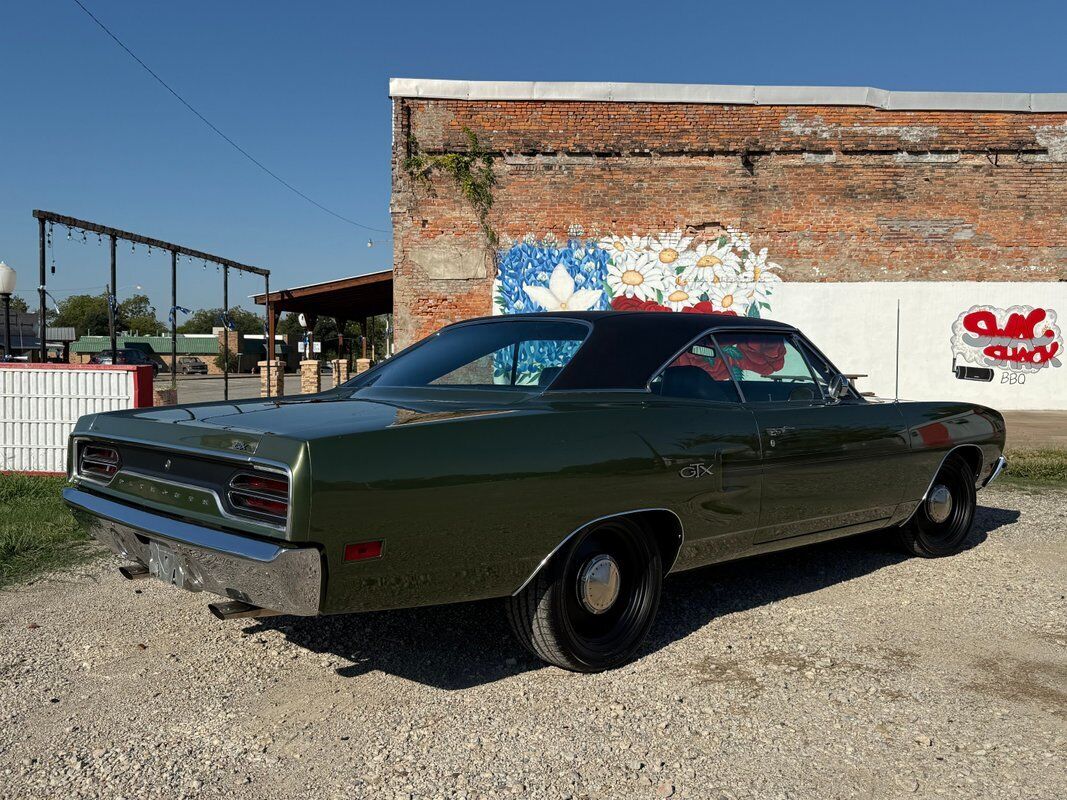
pixel 168 566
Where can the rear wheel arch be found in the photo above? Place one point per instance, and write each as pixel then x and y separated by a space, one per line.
pixel 666 531
pixel 662 525
pixel 971 454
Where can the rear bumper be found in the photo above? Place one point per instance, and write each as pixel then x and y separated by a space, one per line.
pixel 283 579
pixel 998 467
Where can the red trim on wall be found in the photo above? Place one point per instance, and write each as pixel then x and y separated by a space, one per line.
pixel 33 473
pixel 30 365
pixel 142 387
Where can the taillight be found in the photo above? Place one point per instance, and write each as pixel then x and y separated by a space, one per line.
pixel 99 461
pixel 260 496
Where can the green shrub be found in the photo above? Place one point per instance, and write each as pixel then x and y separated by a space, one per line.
pixel 1037 466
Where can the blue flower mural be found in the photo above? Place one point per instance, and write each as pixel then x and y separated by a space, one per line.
pixel 531 265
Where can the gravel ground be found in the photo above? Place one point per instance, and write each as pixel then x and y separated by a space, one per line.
pixel 840 670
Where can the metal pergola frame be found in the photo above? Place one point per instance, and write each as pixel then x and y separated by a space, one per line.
pixel 45 218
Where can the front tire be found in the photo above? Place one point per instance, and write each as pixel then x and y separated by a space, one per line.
pixel 941 524
pixel 592 605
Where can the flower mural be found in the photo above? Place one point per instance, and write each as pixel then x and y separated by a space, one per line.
pixel 532 265
pixel 660 271
pixel 561 294
pixel 637 275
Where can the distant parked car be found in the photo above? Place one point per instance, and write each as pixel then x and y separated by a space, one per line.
pixel 126 355
pixel 191 365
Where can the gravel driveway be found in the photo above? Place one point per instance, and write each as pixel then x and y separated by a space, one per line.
pixel 840 670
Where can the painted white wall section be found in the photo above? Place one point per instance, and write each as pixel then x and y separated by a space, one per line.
pixel 1009 328
pixel 40 404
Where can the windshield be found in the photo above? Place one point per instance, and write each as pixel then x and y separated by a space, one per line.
pixel 484 355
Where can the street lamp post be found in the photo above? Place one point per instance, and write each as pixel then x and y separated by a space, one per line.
pixel 7 286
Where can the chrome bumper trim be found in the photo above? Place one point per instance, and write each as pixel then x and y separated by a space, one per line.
pixel 998 467
pixel 284 579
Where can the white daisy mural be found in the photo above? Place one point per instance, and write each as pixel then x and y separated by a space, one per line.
pixel 670 248
pixel 712 262
pixel 759 277
pixel 653 271
pixel 637 275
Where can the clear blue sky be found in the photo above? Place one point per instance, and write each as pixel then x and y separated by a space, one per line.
pixel 303 87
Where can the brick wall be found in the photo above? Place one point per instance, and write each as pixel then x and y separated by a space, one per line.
pixel 836 193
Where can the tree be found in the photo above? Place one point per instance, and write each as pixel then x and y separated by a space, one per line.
pixel 85 313
pixel 203 320
pixel 18 305
pixel 137 314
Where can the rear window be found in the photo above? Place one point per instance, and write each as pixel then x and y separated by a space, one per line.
pixel 486 355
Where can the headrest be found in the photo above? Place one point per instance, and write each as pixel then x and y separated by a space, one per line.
pixel 689 381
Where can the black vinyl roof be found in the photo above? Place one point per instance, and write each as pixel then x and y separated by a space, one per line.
pixel 626 348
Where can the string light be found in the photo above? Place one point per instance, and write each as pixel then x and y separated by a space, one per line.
pixel 70 233
pixel 51 249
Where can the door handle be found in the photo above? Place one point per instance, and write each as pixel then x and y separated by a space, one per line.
pixel 780 431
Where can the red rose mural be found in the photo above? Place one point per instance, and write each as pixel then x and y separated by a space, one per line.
pixel 633 304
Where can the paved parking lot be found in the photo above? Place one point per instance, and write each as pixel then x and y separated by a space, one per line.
pixel 198 389
pixel 841 670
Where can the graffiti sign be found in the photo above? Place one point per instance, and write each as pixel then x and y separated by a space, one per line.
pixel 1022 339
pixel 665 271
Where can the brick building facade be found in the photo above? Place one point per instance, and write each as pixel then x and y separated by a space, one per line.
pixel 838 185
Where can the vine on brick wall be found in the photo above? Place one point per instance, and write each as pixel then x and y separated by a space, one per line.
pixel 471 172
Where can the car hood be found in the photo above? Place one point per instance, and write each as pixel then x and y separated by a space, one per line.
pixel 311 417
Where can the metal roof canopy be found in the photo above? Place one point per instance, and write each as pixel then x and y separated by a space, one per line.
pixel 353 298
pixel 728 94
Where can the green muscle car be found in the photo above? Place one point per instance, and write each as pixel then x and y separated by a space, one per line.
pixel 566 462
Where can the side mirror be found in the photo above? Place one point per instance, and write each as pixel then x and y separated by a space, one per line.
pixel 839 388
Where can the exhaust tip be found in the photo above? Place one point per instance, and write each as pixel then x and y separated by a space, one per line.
pixel 134 572
pixel 235 609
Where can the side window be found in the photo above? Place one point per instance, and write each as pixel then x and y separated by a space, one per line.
pixel 700 373
pixel 820 369
pixel 769 368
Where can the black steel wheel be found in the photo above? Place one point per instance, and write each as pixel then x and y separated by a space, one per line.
pixel 591 607
pixel 943 520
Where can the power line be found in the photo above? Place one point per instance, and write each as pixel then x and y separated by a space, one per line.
pixel 230 141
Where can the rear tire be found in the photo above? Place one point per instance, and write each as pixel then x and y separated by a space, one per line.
pixel 940 525
pixel 590 608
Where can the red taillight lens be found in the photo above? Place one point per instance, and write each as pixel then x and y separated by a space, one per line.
pixel 253 503
pixel 260 496
pixel 99 461
pixel 363 551
pixel 257 483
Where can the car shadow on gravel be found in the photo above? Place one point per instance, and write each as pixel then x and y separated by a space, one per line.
pixel 469 644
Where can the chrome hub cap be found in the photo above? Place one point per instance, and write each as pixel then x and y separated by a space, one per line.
pixel 939 503
pixel 598 584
